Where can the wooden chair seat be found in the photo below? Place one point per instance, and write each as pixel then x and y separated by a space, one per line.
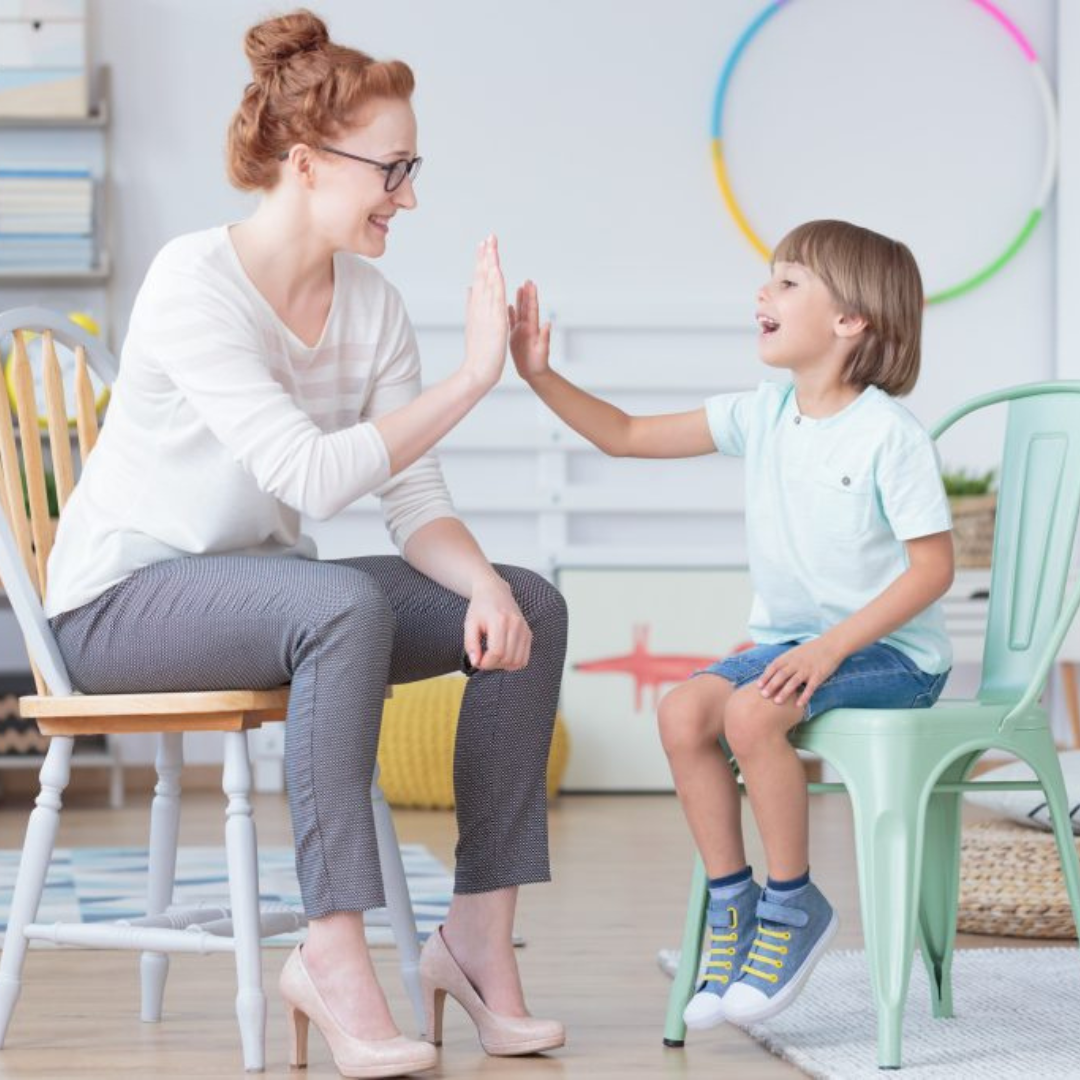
pixel 112 714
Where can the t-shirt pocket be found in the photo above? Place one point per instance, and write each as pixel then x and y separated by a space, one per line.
pixel 843 501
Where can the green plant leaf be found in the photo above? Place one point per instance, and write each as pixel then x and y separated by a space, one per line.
pixel 960 482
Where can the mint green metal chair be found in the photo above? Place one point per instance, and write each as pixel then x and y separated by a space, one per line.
pixel 906 770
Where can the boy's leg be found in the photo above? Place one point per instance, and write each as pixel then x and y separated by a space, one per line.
pixel 756 730
pixel 795 922
pixel 691 721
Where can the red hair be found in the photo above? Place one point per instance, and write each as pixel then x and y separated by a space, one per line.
pixel 305 89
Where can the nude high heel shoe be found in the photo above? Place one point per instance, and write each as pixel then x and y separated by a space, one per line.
pixel 360 1058
pixel 500 1036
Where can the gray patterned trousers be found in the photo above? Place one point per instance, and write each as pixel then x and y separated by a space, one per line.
pixel 340 631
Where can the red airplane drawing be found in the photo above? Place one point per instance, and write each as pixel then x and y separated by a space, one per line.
pixel 649 669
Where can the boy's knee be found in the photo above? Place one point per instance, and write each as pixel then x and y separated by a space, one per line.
pixel 746 726
pixel 681 721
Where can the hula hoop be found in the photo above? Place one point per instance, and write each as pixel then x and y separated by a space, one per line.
pixel 1046 183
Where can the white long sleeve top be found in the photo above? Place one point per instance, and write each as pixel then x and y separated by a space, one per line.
pixel 224 427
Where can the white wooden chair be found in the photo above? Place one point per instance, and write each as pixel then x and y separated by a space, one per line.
pixel 62 713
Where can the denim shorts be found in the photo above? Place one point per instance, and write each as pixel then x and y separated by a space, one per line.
pixel 877 677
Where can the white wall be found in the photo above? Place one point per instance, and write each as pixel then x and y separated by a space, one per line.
pixel 579 132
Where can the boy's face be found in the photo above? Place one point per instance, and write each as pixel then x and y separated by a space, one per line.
pixel 799 322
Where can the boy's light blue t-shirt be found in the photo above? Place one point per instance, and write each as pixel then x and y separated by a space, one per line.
pixel 829 503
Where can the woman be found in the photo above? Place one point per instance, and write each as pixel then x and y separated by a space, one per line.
pixel 268 372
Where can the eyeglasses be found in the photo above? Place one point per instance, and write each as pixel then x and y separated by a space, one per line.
pixel 395 171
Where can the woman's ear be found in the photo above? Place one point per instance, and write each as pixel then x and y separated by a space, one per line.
pixel 301 162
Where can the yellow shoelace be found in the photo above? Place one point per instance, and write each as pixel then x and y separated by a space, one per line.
pixel 715 950
pixel 771 961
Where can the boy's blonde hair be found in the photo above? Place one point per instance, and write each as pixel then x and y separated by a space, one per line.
pixel 874 278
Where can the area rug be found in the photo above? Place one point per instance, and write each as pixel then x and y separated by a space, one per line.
pixel 99 884
pixel 1017 1014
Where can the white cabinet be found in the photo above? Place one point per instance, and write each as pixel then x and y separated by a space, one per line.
pixel 43 69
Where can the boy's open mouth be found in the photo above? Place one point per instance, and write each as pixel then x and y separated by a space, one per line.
pixel 767 325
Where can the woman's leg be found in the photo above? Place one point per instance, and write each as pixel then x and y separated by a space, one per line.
pixel 691 721
pixel 226 622
pixel 500 759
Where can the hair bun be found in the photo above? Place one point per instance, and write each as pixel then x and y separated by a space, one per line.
pixel 306 88
pixel 272 43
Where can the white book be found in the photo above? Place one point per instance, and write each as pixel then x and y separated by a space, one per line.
pixel 80 225
pixel 16 184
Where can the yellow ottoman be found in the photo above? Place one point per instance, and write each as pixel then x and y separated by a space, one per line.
pixel 416 748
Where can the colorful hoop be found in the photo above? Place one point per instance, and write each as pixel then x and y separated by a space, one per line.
pixel 1046 184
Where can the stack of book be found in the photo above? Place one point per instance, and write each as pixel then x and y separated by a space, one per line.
pixel 46 218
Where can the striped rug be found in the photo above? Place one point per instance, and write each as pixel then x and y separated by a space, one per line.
pixel 100 883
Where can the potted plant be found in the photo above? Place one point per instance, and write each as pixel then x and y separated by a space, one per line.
pixel 973 502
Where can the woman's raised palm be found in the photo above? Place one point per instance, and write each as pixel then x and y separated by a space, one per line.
pixel 486 325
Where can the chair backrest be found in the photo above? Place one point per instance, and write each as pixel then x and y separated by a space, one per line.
pixel 1034 534
pixel 25 542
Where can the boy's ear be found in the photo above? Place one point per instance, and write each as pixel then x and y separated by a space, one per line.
pixel 849 326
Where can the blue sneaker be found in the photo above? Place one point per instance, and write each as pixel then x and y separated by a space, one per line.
pixel 792 934
pixel 731 935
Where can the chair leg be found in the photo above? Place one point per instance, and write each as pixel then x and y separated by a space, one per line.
pixel 164 833
pixel 33 869
pixel 1044 760
pixel 682 988
pixel 116 774
pixel 938 896
pixel 242 853
pixel 939 892
pixel 888 850
pixel 398 903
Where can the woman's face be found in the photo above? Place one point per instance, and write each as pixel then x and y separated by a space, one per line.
pixel 350 203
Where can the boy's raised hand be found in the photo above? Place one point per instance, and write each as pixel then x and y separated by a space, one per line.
pixel 529 341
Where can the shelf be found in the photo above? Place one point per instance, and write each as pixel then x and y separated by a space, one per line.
pixel 98 116
pixel 98 120
pixel 13 279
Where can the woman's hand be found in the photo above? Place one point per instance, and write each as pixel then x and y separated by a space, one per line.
pixel 496 633
pixel 485 318
pixel 529 341
pixel 803 668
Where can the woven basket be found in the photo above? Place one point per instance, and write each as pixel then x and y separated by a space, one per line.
pixel 1011 883
pixel 973 529
pixel 416 747
pixel 18 736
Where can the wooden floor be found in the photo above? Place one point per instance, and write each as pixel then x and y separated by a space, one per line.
pixel 621 868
